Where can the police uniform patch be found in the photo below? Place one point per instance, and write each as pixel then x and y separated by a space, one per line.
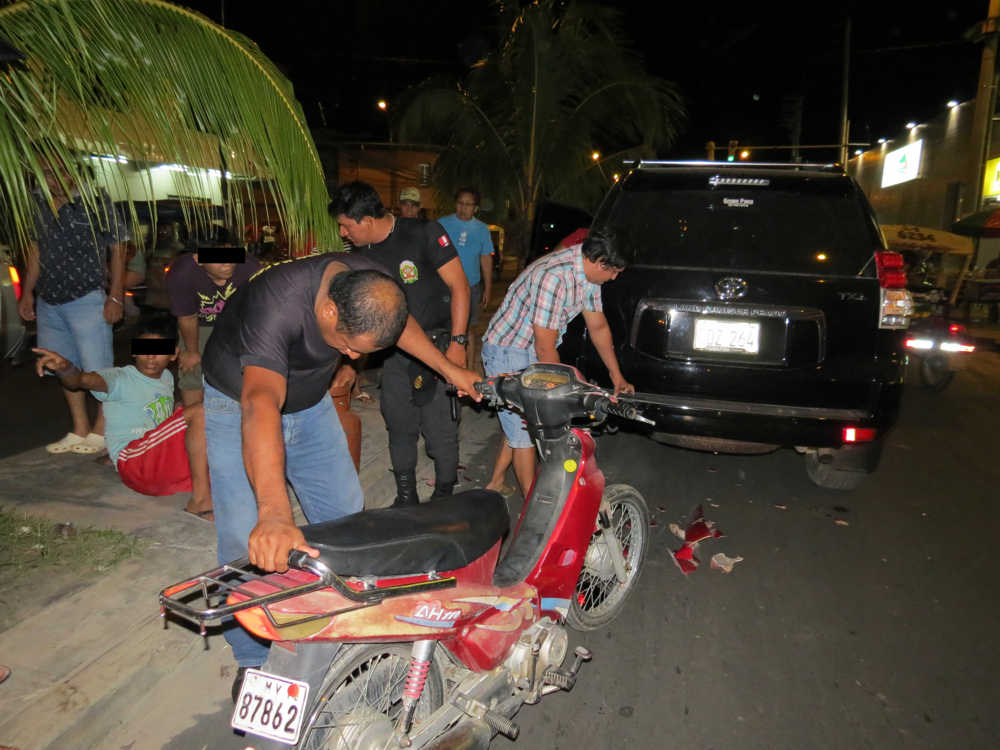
pixel 408 272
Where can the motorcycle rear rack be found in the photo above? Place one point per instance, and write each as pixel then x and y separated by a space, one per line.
pixel 211 589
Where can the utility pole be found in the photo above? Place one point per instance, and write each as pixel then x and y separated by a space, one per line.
pixel 983 116
pixel 845 126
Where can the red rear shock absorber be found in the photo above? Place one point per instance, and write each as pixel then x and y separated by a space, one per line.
pixel 420 664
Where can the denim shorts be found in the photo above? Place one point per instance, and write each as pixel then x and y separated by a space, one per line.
pixel 77 330
pixel 501 359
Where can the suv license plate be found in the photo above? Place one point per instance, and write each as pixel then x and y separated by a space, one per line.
pixel 742 337
pixel 270 706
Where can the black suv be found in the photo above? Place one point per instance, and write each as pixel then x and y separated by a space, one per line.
pixel 760 309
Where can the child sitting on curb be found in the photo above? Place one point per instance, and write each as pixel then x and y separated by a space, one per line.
pixel 149 441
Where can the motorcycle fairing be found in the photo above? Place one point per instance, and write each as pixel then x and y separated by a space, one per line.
pixel 556 521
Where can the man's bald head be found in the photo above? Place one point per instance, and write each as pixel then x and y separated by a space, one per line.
pixel 369 303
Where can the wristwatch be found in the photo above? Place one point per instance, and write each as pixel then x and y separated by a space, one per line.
pixel 461 339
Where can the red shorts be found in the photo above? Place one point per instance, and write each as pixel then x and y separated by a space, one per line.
pixel 157 463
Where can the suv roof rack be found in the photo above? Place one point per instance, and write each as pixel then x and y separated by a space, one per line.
pixel 792 166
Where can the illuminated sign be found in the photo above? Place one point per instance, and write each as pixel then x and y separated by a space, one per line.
pixel 991 180
pixel 902 165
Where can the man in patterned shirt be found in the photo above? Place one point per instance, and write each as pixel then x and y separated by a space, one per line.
pixel 531 322
pixel 66 269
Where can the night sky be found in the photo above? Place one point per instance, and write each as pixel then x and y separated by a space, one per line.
pixel 743 68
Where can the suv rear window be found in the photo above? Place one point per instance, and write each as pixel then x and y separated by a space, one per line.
pixel 791 224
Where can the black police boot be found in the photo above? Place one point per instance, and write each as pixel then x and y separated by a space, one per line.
pixel 443 489
pixel 406 488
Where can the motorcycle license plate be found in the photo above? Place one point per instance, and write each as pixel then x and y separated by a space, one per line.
pixel 740 337
pixel 271 706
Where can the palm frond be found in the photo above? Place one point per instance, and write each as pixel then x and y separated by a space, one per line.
pixel 156 83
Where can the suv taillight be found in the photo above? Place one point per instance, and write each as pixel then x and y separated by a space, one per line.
pixel 15 279
pixel 891 272
pixel 895 302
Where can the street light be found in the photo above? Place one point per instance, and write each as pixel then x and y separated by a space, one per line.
pixel 595 155
pixel 382 104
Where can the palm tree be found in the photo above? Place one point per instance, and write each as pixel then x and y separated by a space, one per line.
pixel 151 82
pixel 527 121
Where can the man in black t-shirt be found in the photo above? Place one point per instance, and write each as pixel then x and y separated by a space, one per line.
pixel 425 264
pixel 268 414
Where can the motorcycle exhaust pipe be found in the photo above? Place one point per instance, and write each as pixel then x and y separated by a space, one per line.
pixel 468 734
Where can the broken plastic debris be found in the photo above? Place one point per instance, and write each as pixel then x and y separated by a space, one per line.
pixel 685 560
pixel 697 531
pixel 722 561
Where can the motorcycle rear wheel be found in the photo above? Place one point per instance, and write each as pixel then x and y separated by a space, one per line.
pixel 935 373
pixel 599 596
pixel 364 689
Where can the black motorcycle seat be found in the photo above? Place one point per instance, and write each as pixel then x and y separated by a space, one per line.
pixel 445 534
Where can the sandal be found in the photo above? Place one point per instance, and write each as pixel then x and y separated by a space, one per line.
pixel 66 444
pixel 204 515
pixel 91 444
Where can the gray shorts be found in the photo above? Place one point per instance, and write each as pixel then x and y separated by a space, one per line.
pixel 191 380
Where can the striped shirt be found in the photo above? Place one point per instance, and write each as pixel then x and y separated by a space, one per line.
pixel 549 293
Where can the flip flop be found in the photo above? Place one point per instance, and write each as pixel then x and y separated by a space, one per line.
pixel 204 515
pixel 4 672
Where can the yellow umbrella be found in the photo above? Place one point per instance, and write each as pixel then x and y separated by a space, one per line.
pixel 908 237
pixel 922 239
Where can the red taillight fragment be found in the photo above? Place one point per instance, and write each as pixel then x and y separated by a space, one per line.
pixel 956 328
pixel 891 273
pixel 15 279
pixel 858 434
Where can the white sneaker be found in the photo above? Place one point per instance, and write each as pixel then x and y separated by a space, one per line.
pixel 93 443
pixel 66 444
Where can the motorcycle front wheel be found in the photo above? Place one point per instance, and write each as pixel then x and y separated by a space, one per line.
pixel 362 697
pixel 599 595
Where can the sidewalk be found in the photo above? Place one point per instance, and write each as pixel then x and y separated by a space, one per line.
pixel 95 668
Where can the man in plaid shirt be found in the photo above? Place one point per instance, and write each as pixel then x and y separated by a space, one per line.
pixel 531 322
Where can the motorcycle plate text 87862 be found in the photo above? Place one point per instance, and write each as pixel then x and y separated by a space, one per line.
pixel 271 706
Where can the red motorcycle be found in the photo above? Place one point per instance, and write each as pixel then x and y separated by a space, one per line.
pixel 411 629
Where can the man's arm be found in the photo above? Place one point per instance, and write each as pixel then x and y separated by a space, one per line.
pixel 26 305
pixel 114 305
pixel 414 342
pixel 71 376
pixel 275 534
pixel 545 344
pixel 486 267
pixel 453 276
pixel 600 334
pixel 190 357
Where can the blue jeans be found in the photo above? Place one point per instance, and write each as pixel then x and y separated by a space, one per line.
pixel 77 330
pixel 318 465
pixel 501 359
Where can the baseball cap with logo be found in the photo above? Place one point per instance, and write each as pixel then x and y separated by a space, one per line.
pixel 409 194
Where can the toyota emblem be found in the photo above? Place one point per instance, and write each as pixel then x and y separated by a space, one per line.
pixel 730 287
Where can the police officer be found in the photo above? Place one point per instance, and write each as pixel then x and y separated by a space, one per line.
pixel 420 256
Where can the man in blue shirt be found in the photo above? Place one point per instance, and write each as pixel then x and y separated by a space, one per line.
pixel 471 239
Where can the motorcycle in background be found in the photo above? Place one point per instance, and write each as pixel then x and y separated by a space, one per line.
pixel 938 349
pixel 410 629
